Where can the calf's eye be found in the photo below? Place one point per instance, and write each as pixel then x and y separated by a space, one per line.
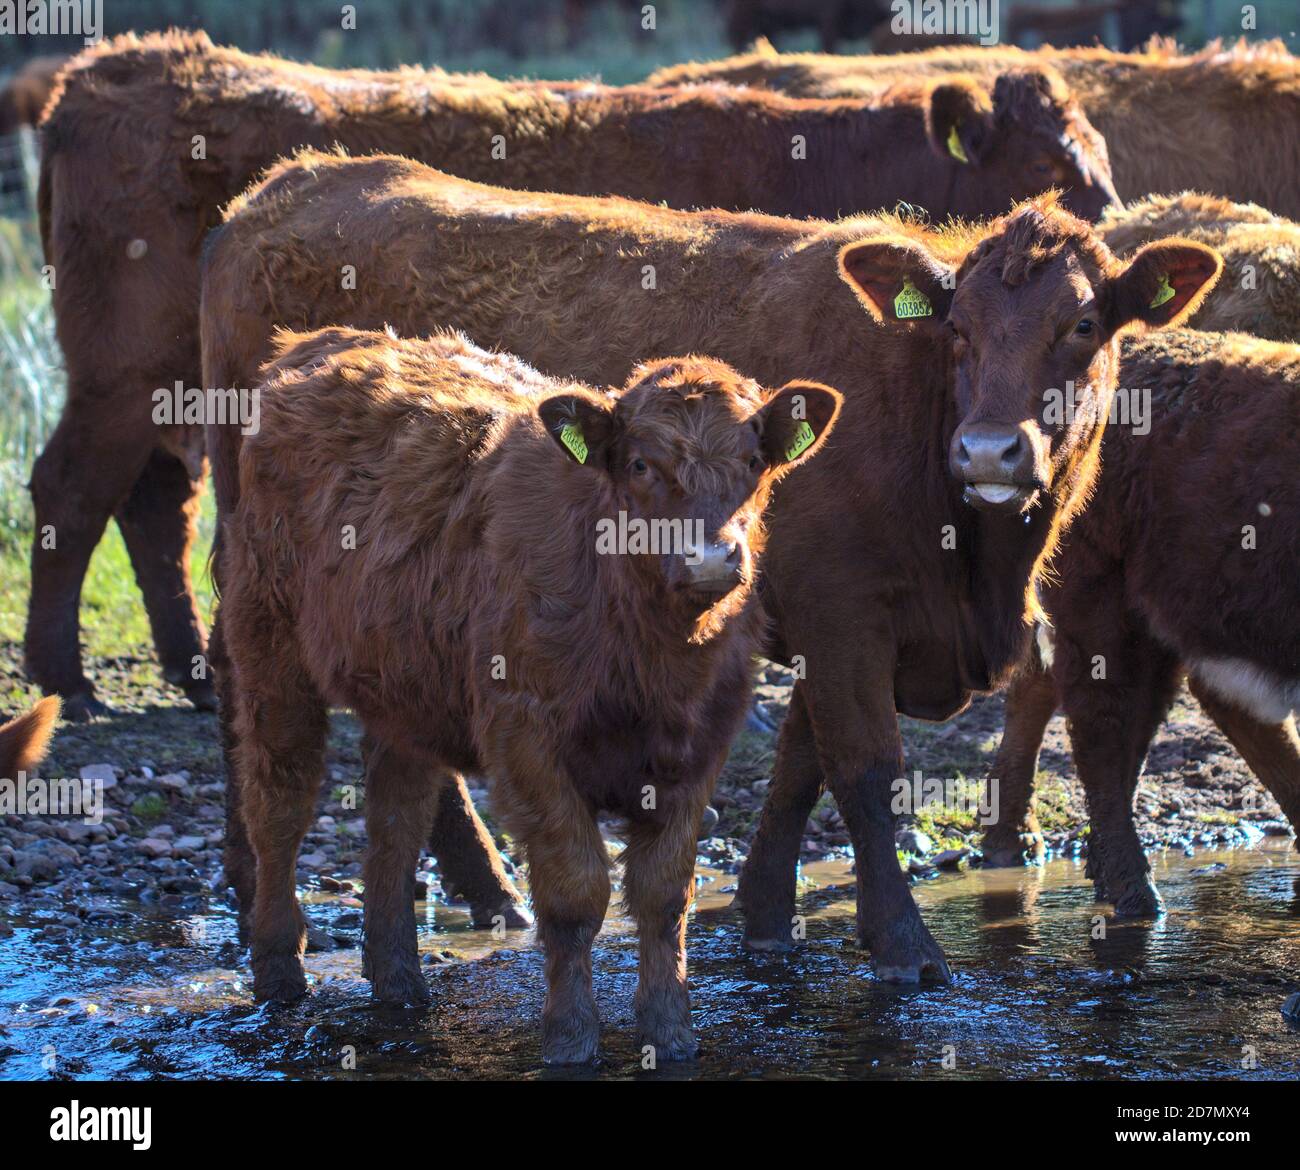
pixel 1084 328
pixel 639 467
pixel 755 463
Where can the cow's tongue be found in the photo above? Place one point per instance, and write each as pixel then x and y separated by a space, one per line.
pixel 995 493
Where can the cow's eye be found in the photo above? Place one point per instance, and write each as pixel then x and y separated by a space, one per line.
pixel 639 467
pixel 1085 328
pixel 1042 166
pixel 755 462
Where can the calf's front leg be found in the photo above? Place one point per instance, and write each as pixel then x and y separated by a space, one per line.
pixel 568 870
pixel 658 885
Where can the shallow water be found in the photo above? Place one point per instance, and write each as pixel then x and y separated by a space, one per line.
pixel 144 993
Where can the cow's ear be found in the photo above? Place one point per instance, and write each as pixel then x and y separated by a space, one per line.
pixel 795 421
pixel 583 426
pixel 959 121
pixel 1164 284
pixel 897 280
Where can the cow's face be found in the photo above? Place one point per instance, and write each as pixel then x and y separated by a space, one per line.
pixel 1028 137
pixel 1030 319
pixel 693 450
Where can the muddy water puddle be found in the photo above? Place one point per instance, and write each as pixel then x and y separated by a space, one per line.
pixel 144 993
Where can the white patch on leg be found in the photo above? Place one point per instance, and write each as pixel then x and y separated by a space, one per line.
pixel 1267 696
pixel 1046 639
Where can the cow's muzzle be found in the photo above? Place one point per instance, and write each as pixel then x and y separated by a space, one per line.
pixel 997 463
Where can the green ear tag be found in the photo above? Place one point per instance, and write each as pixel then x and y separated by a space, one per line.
pixel 912 302
pixel 804 437
pixel 955 147
pixel 572 438
pixel 1164 293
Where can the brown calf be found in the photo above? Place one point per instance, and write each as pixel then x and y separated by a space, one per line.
pixel 1187 558
pixel 1259 292
pixel 150 137
pixel 888 587
pixel 1224 120
pixel 23 740
pixel 425 534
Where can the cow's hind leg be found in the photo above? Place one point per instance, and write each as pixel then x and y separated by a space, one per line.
pixel 469 862
pixel 401 794
pixel 157 522
pixel 237 851
pixel 85 471
pixel 766 892
pixel 1272 750
pixel 1015 838
pixel 658 884
pixel 280 728
pixel 568 869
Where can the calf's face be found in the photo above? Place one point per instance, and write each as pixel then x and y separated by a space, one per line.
pixel 693 449
pixel 1030 321
pixel 1031 135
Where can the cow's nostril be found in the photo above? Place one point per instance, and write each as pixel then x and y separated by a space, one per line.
pixel 1011 453
pixel 733 556
pixel 963 456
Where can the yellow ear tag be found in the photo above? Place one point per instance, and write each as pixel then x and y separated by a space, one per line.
pixel 955 147
pixel 912 302
pixel 804 437
pixel 1164 293
pixel 572 438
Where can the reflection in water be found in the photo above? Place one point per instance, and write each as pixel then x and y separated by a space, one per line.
pixel 1046 986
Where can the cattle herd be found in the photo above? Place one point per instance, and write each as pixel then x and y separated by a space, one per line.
pixel 943 372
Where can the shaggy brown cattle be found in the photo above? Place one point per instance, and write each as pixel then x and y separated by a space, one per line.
pixel 23 740
pixel 151 137
pixel 887 585
pixel 1259 292
pixel 24 96
pixel 424 534
pixel 1187 558
pixel 1225 120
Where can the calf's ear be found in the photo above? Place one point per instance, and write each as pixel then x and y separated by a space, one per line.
pixel 1163 284
pixel 959 121
pixel 897 280
pixel 795 421
pixel 583 427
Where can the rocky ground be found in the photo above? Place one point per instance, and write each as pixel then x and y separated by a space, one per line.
pixel 160 839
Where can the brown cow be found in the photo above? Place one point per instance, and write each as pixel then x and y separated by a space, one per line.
pixel 23 740
pixel 152 136
pixel 484 616
pixel 891 579
pixel 24 96
pixel 1259 292
pixel 1224 120
pixel 1187 558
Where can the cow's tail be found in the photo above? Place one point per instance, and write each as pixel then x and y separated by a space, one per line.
pixel 23 741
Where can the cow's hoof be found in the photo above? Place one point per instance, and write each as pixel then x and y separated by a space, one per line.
pixel 1023 849
pixel 766 944
pixel 83 707
pixel 667 1042
pixel 908 954
pixel 400 987
pixel 509 915
pixel 202 698
pixel 570 1040
pixel 1140 900
pixel 279 981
